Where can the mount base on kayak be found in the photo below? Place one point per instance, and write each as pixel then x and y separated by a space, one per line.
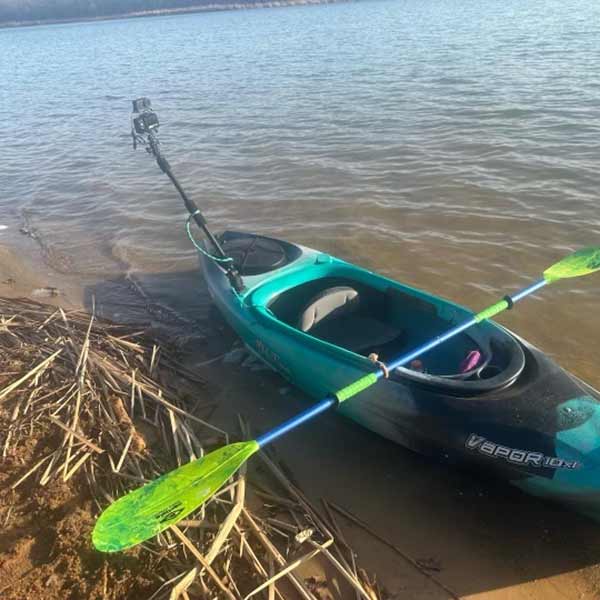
pixel 486 398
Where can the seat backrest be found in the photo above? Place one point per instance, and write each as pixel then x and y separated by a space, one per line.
pixel 330 303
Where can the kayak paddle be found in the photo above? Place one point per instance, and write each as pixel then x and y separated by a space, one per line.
pixel 144 512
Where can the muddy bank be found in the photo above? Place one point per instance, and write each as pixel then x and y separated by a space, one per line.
pixel 25 274
pixel 17 279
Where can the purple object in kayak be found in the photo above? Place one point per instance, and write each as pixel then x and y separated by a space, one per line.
pixel 471 361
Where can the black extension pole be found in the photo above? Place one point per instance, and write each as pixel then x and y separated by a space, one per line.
pixel 232 273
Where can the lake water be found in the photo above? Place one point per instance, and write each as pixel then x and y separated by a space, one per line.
pixel 452 145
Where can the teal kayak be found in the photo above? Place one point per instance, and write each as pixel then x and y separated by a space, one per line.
pixel 485 398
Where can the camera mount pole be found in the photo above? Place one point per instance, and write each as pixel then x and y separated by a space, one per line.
pixel 147 124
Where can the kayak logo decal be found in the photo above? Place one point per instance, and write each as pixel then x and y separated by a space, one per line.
pixel 516 456
pixel 271 357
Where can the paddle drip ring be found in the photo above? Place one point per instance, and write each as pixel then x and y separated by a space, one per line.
pixel 374 358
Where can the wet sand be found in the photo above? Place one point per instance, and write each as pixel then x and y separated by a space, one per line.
pixel 480 538
pixel 29 277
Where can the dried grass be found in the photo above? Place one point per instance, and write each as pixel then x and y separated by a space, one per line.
pixel 93 387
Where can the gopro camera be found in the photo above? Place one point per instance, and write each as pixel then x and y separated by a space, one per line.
pixel 147 119
pixel 141 105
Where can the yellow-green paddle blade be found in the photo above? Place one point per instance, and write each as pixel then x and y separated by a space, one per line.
pixel 143 513
pixel 582 262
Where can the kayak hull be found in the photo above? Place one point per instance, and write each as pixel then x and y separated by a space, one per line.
pixel 539 429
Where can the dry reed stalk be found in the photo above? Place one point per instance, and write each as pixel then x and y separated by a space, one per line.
pixel 296 494
pixel 271 589
pixel 32 470
pixel 80 437
pixel 279 559
pixel 129 345
pixel 277 500
pixel 288 569
pixel 124 453
pixel 230 521
pixel 76 466
pixel 13 386
pixel 155 396
pixel 69 436
pixel 175 434
pixel 45 478
pixel 186 438
pixel 184 584
pixel 340 536
pixel 202 561
pixel 246 548
pixel 350 578
pixel 153 358
pixel 80 372
pixel 132 397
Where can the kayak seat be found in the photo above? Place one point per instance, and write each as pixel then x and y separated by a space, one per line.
pixel 336 315
pixel 339 301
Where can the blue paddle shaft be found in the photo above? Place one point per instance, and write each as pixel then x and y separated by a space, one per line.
pixel 305 415
pixel 406 358
pixel 330 401
pixel 440 339
pixel 534 287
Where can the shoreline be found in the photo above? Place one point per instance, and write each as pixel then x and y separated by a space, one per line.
pixel 169 11
pixel 25 274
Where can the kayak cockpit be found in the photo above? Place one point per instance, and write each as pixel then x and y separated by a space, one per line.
pixel 351 313
pixel 391 319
